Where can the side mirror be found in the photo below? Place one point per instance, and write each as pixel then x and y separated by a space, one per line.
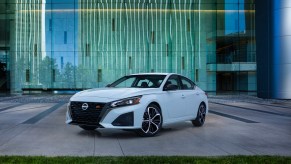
pixel 171 87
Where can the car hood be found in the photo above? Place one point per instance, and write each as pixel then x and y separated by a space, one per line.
pixel 110 94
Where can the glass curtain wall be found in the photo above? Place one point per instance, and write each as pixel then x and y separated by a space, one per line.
pixel 79 44
pixel 235 45
pixel 124 37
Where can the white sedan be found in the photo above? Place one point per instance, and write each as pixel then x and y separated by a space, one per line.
pixel 140 102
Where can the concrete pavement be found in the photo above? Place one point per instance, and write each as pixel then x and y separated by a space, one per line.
pixel 231 128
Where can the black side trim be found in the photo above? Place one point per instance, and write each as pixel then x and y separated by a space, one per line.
pixel 86 124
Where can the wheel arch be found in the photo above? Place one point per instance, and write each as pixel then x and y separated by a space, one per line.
pixel 204 103
pixel 157 104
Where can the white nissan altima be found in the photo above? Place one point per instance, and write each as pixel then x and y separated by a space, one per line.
pixel 140 102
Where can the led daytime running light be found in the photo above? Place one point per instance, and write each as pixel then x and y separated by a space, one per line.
pixel 126 102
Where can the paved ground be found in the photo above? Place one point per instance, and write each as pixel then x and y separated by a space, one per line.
pixel 236 125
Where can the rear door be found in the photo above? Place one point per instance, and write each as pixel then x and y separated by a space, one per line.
pixel 191 96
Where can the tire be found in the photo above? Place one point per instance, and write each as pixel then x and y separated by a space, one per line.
pixel 152 121
pixel 201 114
pixel 85 127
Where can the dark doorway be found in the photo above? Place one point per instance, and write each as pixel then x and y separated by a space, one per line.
pixel 225 81
pixel 230 82
pixel 5 19
pixel 4 73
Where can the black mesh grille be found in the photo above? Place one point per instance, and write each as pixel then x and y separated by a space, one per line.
pixel 88 116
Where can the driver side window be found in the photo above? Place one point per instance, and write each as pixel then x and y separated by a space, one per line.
pixel 173 80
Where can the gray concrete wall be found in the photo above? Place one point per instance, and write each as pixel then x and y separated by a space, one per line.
pixel 282 49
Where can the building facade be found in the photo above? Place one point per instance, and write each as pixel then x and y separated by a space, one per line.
pixel 69 45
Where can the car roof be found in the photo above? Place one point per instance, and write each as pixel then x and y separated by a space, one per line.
pixel 153 74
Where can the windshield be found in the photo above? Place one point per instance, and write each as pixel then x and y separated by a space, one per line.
pixel 139 81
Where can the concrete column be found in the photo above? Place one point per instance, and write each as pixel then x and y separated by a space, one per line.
pixel 282 49
pixel 273 36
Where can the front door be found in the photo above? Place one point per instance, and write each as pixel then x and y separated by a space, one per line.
pixel 174 100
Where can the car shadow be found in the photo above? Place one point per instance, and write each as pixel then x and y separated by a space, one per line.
pixel 128 134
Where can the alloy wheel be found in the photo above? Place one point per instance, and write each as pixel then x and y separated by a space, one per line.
pixel 152 120
pixel 202 113
pixel 200 117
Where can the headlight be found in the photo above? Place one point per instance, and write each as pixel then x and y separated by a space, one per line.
pixel 126 102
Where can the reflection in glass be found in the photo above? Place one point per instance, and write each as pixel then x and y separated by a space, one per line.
pixel 84 44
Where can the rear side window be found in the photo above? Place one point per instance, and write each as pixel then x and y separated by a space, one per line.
pixel 173 80
pixel 187 84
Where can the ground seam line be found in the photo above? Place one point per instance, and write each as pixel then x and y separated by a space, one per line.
pixel 232 117
pixel 120 147
pixel 14 135
pixel 12 106
pixel 251 109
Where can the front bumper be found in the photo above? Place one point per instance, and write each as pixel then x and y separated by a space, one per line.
pixel 128 117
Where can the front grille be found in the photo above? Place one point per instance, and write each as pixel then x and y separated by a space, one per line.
pixel 89 116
